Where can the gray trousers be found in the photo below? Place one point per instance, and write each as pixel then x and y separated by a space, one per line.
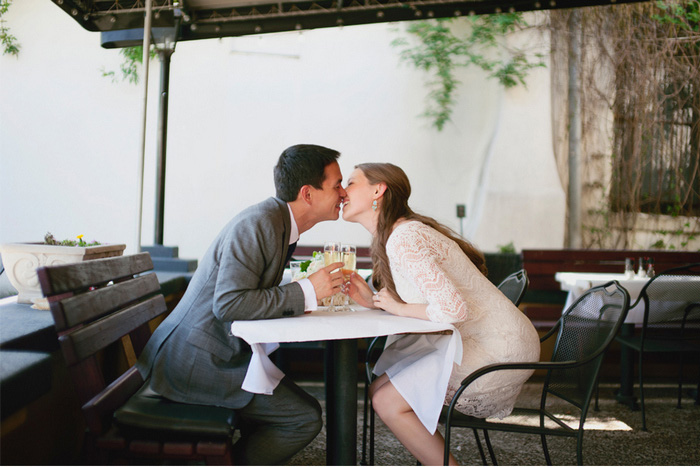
pixel 275 427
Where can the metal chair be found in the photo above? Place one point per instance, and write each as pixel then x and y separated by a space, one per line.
pixel 101 309
pixel 671 323
pixel 583 333
pixel 514 287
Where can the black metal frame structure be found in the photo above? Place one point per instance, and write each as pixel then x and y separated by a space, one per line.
pixel 206 19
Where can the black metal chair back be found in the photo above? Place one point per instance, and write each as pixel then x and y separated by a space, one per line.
pixel 514 286
pixel 583 333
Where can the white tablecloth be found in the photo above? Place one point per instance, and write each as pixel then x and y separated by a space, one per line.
pixel 420 386
pixel 576 283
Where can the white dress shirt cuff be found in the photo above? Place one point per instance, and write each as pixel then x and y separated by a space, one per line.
pixel 310 302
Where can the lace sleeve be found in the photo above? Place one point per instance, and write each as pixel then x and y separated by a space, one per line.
pixel 420 258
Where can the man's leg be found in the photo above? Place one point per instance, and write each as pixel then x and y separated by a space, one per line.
pixel 277 426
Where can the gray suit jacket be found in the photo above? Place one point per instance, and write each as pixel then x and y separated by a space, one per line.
pixel 192 356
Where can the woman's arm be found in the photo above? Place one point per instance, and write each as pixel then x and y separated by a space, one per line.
pixel 421 258
pixel 385 301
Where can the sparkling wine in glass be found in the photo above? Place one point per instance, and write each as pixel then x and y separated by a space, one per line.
pixel 331 254
pixel 349 266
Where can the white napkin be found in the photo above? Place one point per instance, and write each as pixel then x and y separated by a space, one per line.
pixel 419 366
pixel 262 376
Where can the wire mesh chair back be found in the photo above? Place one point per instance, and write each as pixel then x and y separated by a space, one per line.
pixel 514 286
pixel 585 330
pixel 672 306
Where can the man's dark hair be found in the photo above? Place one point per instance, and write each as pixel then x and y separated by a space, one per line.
pixel 303 164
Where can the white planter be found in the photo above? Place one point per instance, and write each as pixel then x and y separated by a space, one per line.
pixel 22 259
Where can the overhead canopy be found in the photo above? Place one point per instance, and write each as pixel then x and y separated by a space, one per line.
pixel 205 19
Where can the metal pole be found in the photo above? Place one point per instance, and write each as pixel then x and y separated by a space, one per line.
pixel 164 55
pixel 574 192
pixel 146 56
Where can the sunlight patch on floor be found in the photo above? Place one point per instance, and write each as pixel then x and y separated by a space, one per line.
pixel 592 423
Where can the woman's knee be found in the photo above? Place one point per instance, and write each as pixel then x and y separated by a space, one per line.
pixel 385 400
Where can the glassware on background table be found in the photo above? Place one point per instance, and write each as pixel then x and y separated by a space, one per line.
pixel 642 271
pixel 629 268
pixel 650 267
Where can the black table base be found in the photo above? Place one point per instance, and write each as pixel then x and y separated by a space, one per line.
pixel 341 402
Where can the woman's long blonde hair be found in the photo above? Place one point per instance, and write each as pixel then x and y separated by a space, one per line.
pixel 394 206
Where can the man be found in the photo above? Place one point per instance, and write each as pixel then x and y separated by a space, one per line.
pixel 192 356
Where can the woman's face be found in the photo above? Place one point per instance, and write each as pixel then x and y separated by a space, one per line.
pixel 359 197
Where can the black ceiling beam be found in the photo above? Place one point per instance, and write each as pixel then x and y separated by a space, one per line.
pixel 239 19
pixel 260 24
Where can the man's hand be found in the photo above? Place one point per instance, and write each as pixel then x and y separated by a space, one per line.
pixel 327 283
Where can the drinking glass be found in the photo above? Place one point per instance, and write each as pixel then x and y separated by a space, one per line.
pixel 295 269
pixel 331 254
pixel 350 266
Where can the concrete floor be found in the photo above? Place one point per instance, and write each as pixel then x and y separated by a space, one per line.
pixel 614 436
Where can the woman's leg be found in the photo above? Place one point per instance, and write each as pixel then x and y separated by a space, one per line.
pixel 395 412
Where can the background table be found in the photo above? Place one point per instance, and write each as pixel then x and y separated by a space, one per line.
pixel 578 282
pixel 341 330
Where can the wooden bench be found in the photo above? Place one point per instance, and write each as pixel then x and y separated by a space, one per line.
pixel 102 309
pixel 544 299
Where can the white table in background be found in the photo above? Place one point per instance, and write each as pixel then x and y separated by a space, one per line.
pixel 576 283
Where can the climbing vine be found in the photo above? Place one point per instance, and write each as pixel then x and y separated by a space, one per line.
pixel 439 50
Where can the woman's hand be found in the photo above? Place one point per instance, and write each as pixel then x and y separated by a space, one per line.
pixel 384 300
pixel 359 290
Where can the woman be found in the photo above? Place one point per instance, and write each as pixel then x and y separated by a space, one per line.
pixel 424 270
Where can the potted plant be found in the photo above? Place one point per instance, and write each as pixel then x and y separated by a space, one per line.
pixel 22 259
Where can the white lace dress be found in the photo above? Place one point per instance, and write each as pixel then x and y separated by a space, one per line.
pixel 429 268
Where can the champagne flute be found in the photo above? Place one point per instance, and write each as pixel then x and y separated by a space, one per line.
pixel 331 254
pixel 350 266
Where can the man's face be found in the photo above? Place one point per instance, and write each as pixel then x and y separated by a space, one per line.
pixel 327 200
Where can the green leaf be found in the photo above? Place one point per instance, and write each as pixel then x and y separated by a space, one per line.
pixel 439 52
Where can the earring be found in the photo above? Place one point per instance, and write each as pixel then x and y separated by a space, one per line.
pixel 374 205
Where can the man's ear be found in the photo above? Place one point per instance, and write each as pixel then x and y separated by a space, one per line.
pixel 305 194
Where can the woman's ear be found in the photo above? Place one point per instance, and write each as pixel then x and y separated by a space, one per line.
pixel 379 190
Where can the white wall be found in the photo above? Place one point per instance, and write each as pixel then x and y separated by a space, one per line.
pixel 70 139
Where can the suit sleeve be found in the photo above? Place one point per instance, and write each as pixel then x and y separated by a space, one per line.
pixel 249 256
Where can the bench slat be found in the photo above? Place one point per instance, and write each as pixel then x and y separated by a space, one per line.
pixel 84 342
pixel 70 277
pixel 90 306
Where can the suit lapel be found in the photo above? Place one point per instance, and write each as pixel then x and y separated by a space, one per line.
pixel 284 218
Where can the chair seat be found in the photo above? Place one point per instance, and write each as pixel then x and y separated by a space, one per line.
pixel 521 420
pixel 149 414
pixel 659 345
